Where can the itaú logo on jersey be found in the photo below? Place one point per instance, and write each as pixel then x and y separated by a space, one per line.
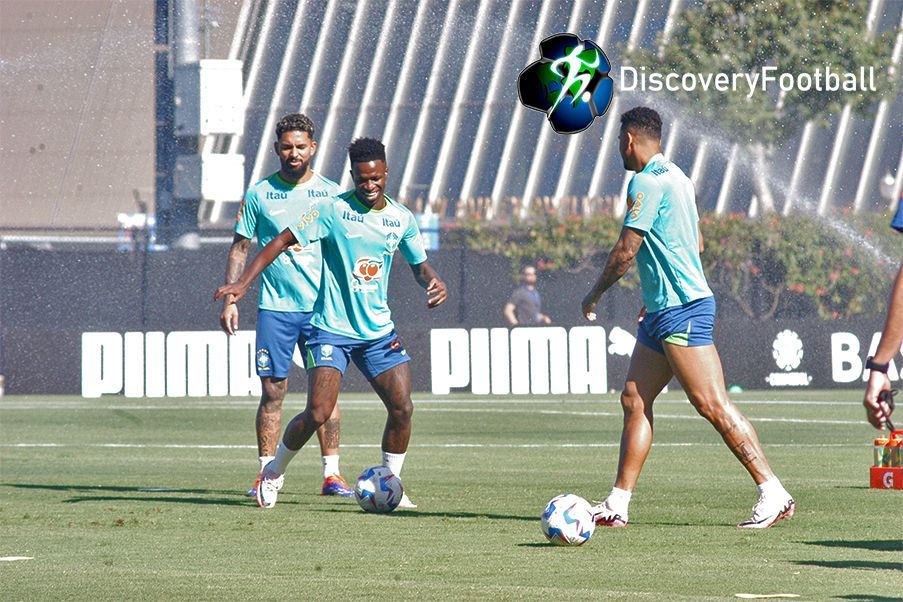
pixel 367 271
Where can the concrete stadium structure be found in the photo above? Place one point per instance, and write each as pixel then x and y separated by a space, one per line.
pixel 434 79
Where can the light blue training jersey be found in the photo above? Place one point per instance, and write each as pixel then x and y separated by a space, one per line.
pixel 661 201
pixel 292 281
pixel 358 244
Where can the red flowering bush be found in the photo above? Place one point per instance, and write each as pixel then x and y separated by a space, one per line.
pixel 837 267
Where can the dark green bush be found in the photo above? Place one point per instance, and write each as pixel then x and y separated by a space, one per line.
pixel 838 267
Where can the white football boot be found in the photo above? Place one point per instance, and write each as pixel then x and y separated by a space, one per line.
pixel 268 488
pixel 406 503
pixel 606 516
pixel 769 510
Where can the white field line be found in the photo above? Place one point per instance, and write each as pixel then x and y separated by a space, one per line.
pixel 618 414
pixel 812 421
pixel 418 446
pixel 201 404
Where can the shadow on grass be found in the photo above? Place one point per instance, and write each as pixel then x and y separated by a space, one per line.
pixel 881 545
pixel 403 513
pixel 115 488
pixel 542 544
pixel 868 598
pixel 164 500
pixel 236 499
pixel 866 565
pixel 129 416
pixel 656 523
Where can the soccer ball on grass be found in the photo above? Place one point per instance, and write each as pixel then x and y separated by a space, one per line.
pixel 378 490
pixel 568 520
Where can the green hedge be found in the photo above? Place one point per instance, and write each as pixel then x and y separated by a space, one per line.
pixel 839 267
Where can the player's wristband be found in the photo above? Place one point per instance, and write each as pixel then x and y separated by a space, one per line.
pixel 871 364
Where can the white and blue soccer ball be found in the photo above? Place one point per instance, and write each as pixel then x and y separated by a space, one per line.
pixel 568 520
pixel 378 490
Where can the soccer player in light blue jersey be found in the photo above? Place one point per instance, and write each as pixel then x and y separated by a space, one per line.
pixel 288 287
pixel 878 399
pixel 674 337
pixel 359 233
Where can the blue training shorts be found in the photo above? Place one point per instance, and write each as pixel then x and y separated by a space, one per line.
pixel 277 334
pixel 372 358
pixel 687 325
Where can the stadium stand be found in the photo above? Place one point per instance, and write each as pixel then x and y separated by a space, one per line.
pixel 433 79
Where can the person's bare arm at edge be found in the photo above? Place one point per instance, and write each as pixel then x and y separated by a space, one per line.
pixel 238 256
pixel 427 277
pixel 508 312
pixel 879 411
pixel 619 261
pixel 267 255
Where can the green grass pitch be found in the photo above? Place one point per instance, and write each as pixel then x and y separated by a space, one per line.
pixel 141 499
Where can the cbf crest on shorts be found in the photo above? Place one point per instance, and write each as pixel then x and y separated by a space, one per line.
pixel 326 352
pixel 263 360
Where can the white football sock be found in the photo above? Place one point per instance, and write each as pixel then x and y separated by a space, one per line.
pixel 619 499
pixel 331 466
pixel 284 455
pixel 772 487
pixel 264 460
pixel 394 462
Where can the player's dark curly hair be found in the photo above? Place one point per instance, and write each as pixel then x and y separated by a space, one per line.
pixel 295 122
pixel 363 150
pixel 644 120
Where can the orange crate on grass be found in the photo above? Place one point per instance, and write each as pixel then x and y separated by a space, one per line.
pixel 886 478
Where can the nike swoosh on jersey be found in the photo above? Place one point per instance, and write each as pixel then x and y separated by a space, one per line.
pixel 277 211
pixel 348 235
